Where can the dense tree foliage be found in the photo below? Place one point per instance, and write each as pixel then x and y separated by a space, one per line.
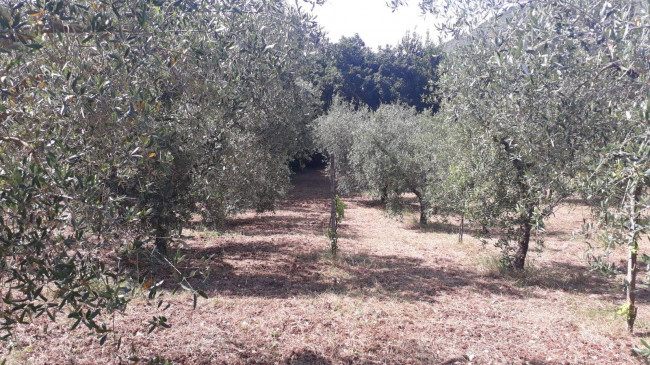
pixel 386 152
pixel 557 91
pixel 388 155
pixel 404 73
pixel 121 119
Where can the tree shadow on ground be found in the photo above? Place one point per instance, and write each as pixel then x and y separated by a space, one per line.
pixel 447 226
pixel 368 203
pixel 306 357
pixel 261 265
pixel 280 269
pixel 277 225
pixel 436 224
pixel 309 184
pixel 562 276
pixel 313 225
pixel 556 233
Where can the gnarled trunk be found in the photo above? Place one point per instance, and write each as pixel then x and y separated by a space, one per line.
pixel 384 195
pixel 633 246
pixel 523 241
pixel 424 217
pixel 161 240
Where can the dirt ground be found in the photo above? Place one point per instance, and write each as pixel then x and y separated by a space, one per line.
pixel 395 295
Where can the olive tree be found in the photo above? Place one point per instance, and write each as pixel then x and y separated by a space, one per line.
pixel 460 172
pixel 387 154
pixel 620 182
pixel 529 85
pixel 121 119
pixel 334 134
pixel 379 151
pixel 561 87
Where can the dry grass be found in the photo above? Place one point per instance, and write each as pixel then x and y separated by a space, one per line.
pixel 396 294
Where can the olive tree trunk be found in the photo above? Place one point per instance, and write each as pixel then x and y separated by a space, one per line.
pixel 523 241
pixel 633 246
pixel 331 231
pixel 461 230
pixel 631 288
pixel 333 224
pixel 384 195
pixel 423 208
pixel 526 220
pixel 161 240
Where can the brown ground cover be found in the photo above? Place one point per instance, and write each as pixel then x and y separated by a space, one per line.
pixel 396 295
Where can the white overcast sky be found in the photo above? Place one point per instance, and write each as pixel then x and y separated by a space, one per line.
pixel 376 24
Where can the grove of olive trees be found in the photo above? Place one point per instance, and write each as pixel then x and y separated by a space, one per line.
pixel 557 90
pixel 543 101
pixel 121 122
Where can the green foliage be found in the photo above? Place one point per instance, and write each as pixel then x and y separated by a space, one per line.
pixel 560 90
pixel 403 73
pixel 381 151
pixel 602 266
pixel 335 133
pixel 514 82
pixel 47 253
pixel 333 237
pixel 642 352
pixel 340 209
pixel 121 119
pixel 508 252
pixel 624 311
pixel 390 154
pixel 620 182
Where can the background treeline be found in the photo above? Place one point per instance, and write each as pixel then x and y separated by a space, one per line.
pixel 405 73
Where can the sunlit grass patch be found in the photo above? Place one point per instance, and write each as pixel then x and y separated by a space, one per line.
pixel 601 318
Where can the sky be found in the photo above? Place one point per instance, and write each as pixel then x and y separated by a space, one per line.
pixel 376 24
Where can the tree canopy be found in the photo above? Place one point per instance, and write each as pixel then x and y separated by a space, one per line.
pixel 558 90
pixel 119 120
pixel 405 73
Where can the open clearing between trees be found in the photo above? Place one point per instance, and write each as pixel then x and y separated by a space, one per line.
pixel 396 295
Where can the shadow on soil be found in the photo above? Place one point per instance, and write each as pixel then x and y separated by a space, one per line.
pixel 277 225
pixel 306 357
pixel 280 269
pixel 565 277
pixel 264 266
pixel 367 275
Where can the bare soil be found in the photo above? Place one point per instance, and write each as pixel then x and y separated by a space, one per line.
pixel 397 294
